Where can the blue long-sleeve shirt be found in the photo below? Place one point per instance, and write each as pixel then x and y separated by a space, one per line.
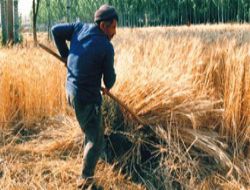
pixel 89 58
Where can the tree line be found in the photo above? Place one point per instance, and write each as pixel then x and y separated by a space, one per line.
pixel 10 21
pixel 148 12
pixel 132 13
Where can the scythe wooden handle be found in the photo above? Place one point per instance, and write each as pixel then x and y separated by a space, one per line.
pixel 47 49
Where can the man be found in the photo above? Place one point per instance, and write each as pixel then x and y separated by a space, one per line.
pixel 89 58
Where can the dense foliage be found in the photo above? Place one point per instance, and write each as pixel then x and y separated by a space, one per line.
pixel 150 12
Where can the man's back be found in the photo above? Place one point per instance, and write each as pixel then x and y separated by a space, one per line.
pixel 90 56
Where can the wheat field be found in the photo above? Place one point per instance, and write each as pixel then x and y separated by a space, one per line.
pixel 190 84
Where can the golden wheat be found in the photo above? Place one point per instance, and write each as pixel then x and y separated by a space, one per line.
pixel 195 79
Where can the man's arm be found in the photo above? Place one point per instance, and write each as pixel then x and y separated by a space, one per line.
pixel 108 69
pixel 62 33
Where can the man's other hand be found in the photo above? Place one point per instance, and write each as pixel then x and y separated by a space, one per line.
pixel 105 91
pixel 64 59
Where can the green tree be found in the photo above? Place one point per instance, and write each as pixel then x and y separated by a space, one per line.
pixel 10 21
pixel 35 8
pixel 16 21
pixel 3 21
pixel 68 10
pixel 48 18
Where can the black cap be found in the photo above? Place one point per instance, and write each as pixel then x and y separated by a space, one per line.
pixel 105 12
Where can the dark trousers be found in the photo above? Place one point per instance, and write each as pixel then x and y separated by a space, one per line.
pixel 90 120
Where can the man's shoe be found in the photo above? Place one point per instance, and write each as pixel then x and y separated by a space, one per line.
pixel 84 183
pixel 104 157
pixel 87 184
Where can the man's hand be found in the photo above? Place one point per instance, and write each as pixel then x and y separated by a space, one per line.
pixel 64 59
pixel 105 91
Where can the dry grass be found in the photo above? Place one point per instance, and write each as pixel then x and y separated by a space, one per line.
pixel 51 158
pixel 192 84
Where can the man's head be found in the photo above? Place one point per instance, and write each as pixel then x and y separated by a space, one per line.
pixel 106 17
